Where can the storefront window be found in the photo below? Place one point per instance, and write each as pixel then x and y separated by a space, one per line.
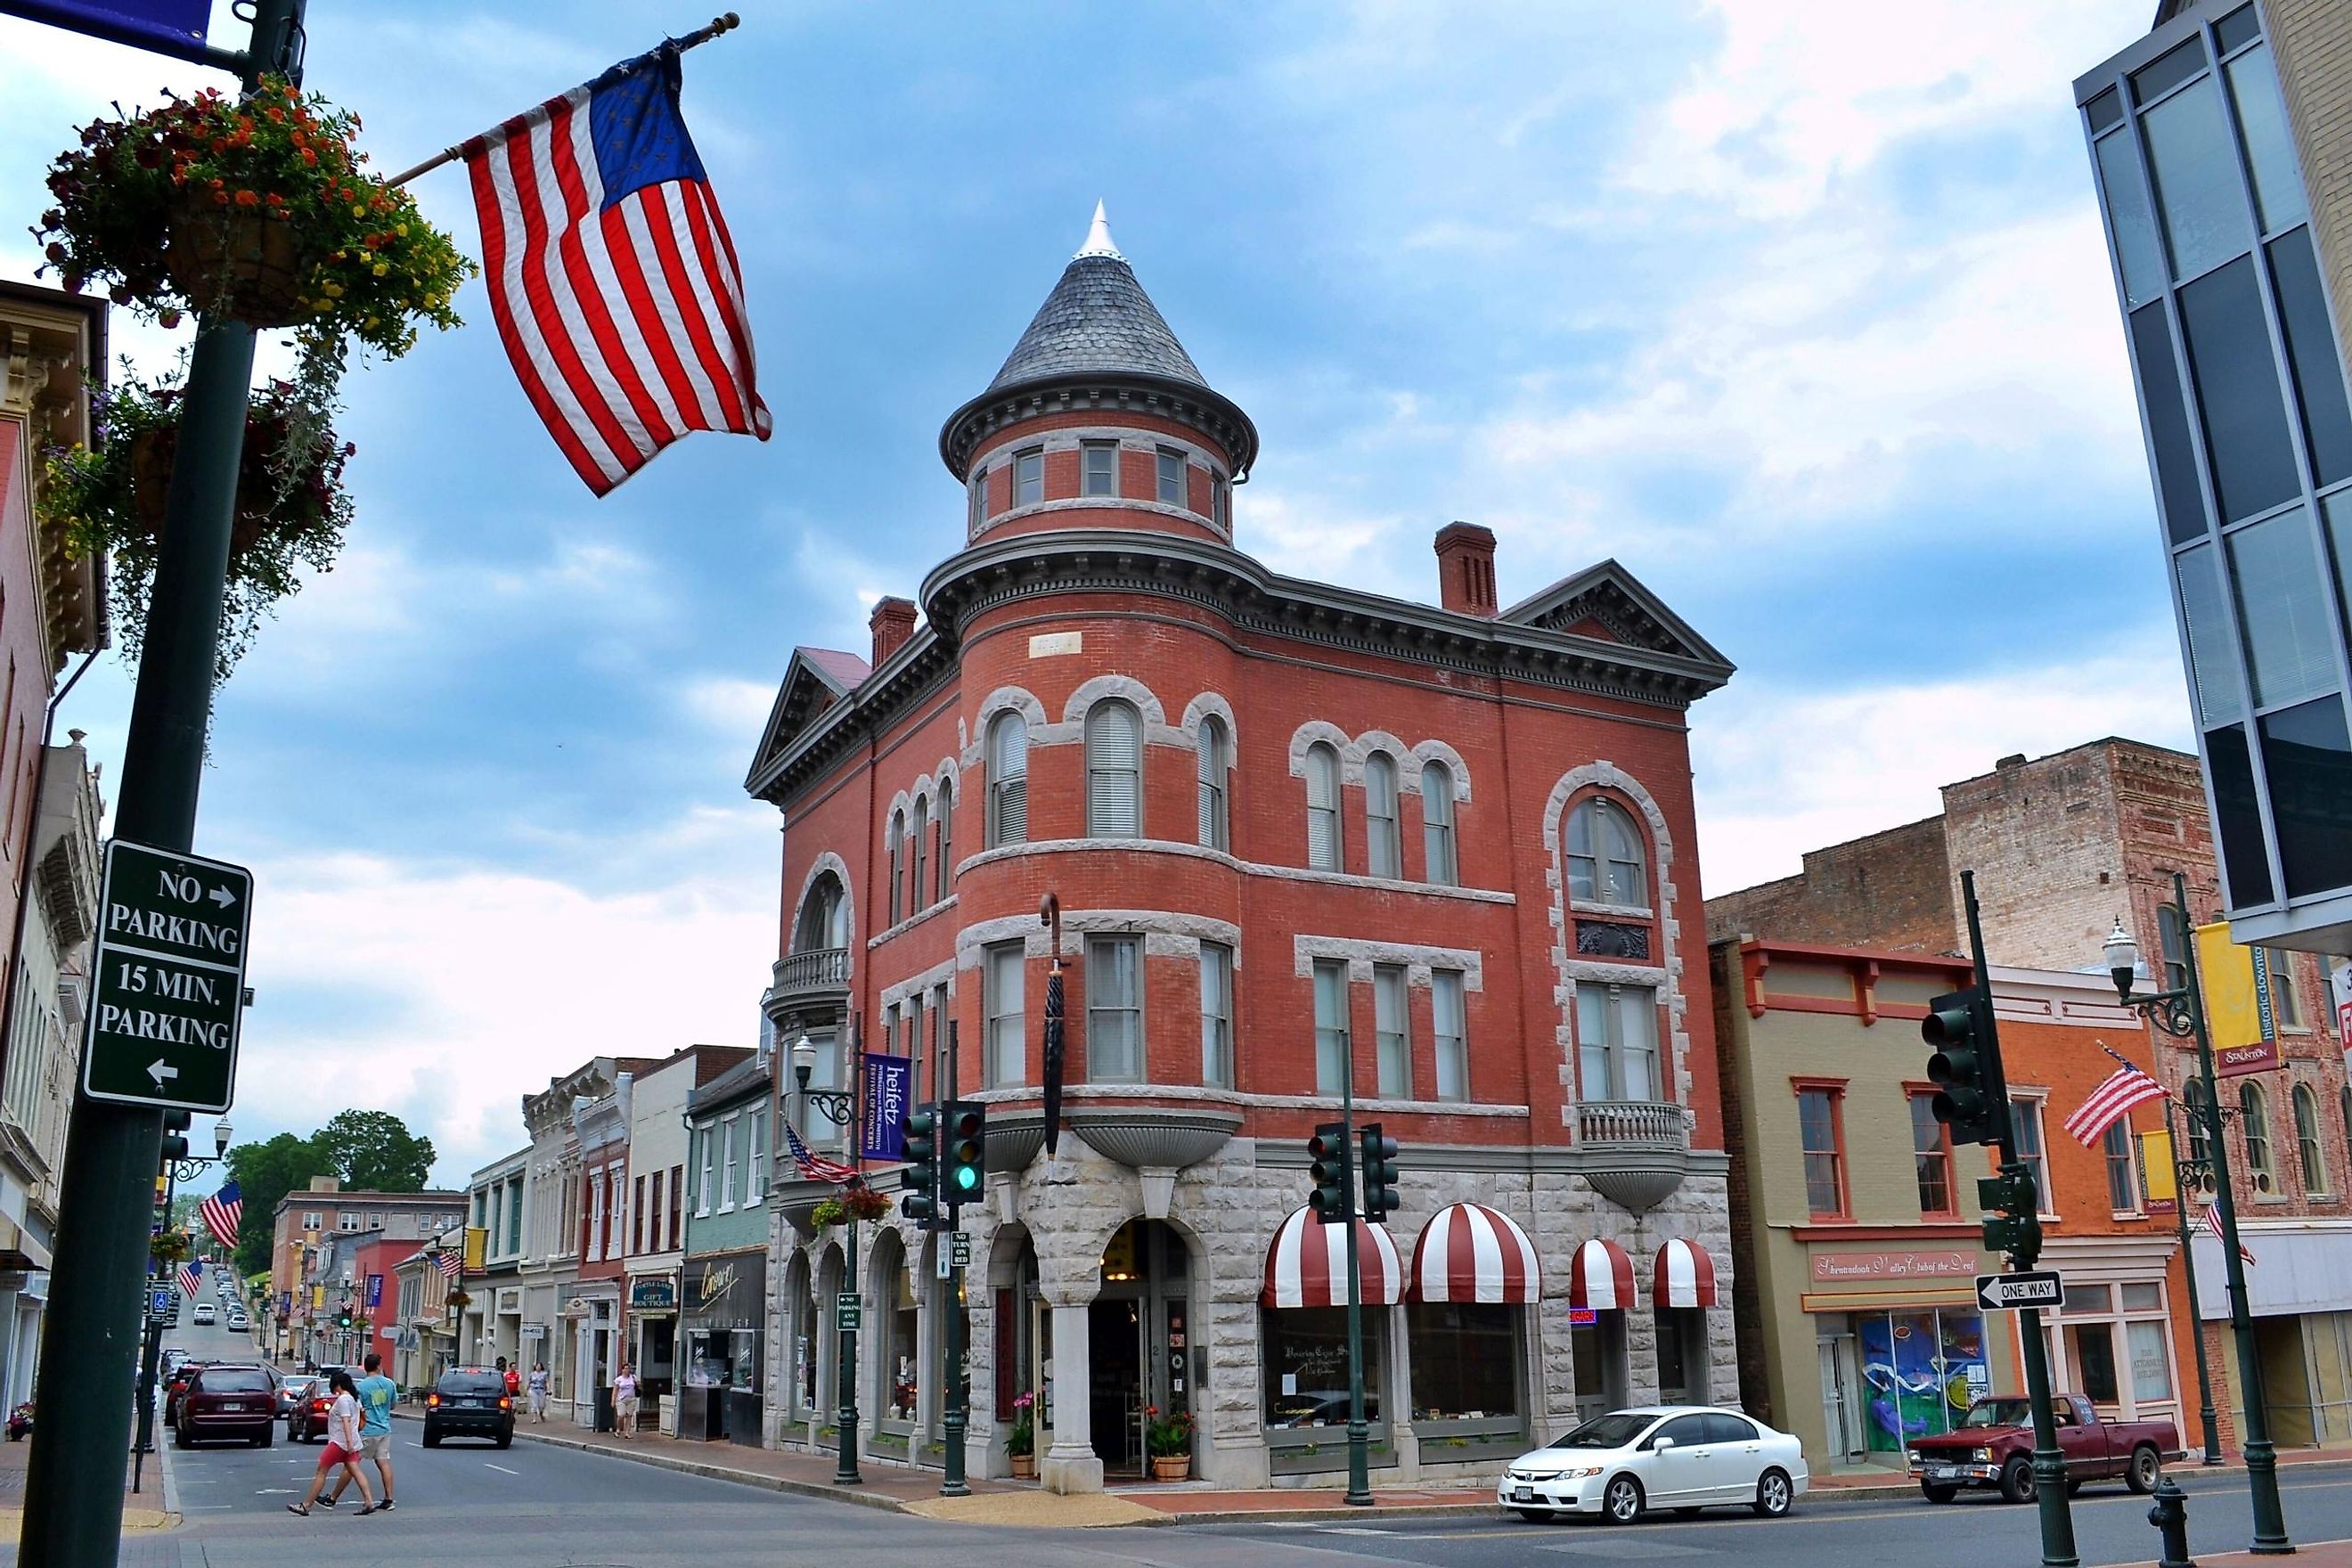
pixel 1306 1363
pixel 2093 1353
pixel 900 1364
pixel 706 1358
pixel 1464 1359
pixel 2151 1363
pixel 743 1360
pixel 1922 1368
pixel 1596 1361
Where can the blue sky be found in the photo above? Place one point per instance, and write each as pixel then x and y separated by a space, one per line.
pixel 1798 309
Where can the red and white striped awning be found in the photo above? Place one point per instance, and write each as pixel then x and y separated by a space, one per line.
pixel 1684 1277
pixel 1307 1263
pixel 1468 1252
pixel 1600 1275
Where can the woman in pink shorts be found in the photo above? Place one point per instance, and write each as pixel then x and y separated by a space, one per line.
pixel 342 1446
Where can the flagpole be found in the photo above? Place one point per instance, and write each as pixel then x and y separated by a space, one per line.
pixel 719 25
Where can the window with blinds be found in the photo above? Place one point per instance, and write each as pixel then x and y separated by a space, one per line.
pixel 1452 1027
pixel 1323 845
pixel 1215 761
pixel 1115 1009
pixel 898 852
pixel 918 841
pixel 1216 1015
pixel 1001 994
pixel 1008 779
pixel 1382 854
pixel 1113 771
pixel 944 876
pixel 1331 1024
pixel 1393 1033
pixel 1438 862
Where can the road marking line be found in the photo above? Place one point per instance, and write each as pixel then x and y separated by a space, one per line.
pixel 500 1469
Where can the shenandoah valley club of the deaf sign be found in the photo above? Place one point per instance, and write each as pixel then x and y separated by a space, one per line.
pixel 171 979
pixel 1849 1267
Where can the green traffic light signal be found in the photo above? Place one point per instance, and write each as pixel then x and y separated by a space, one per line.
pixel 1376 1159
pixel 920 1146
pixel 1328 1162
pixel 964 1163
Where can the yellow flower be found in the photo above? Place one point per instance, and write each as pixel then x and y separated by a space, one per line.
pixel 333 291
pixel 401 229
pixel 358 209
pixel 382 267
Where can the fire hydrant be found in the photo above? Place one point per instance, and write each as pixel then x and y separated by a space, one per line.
pixel 2170 1517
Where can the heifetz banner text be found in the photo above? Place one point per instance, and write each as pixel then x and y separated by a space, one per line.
pixel 889 1080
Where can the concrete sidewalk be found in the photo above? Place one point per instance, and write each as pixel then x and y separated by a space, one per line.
pixel 153 1506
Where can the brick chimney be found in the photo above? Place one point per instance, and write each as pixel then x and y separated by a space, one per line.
pixel 893 622
pixel 1466 569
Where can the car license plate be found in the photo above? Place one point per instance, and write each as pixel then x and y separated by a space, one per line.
pixel 1523 1494
pixel 1944 1472
pixel 233 1405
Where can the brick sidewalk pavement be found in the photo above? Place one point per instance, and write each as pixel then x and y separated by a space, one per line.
pixel 142 1511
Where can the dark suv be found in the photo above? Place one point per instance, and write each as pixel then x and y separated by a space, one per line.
pixel 471 1402
pixel 225 1401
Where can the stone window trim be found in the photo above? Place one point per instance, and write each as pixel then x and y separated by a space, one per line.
pixel 1354 752
pixel 910 922
pixel 1157 730
pixel 1017 699
pixel 1166 934
pixel 1095 504
pixel 918 987
pixel 925 789
pixel 1246 867
pixel 1200 709
pixel 1618 799
pixel 1071 437
pixel 1360 957
pixel 829 861
pixel 1676 1042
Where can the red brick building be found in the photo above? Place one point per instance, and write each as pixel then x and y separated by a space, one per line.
pixel 1300 835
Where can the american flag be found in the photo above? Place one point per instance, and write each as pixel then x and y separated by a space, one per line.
pixel 2125 1087
pixel 611 275
pixel 223 1212
pixel 192 1274
pixel 447 1262
pixel 812 1165
pixel 2213 1224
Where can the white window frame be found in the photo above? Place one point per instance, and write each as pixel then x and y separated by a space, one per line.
pixel 1213 763
pixel 1114 789
pixel 1029 475
pixel 2286 1000
pixel 595 1247
pixel 1334 1046
pixel 1595 873
pixel 1440 851
pixel 1216 1015
pixel 1391 1032
pixel 2025 1111
pixel 919 829
pixel 1323 792
pixel 2310 1152
pixel 2109 1154
pixel 977 514
pixel 1130 1007
pixel 1383 843
pixel 1008 790
pixel 1162 459
pixel 1449 1004
pixel 1003 988
pixel 1612 1056
pixel 1087 452
pixel 2249 1125
pixel 728 1155
pixel 943 872
pixel 755 1178
pixel 708 1187
pixel 896 841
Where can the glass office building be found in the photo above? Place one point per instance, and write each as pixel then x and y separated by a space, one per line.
pixel 2221 267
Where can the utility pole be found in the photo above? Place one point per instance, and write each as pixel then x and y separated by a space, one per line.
pixel 73 1497
pixel 956 1418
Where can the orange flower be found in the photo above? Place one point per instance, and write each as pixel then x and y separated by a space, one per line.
pixel 309 157
pixel 247 199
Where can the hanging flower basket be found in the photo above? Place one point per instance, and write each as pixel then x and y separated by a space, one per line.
pixel 170 1247
pixel 290 509
pixel 250 264
pixel 853 1203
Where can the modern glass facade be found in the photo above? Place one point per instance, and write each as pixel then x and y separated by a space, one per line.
pixel 2249 431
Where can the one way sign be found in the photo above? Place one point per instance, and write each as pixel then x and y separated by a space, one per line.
pixel 2007 1292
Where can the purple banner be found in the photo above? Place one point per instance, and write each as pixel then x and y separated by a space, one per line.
pixel 171 27
pixel 888 1082
pixel 375 1291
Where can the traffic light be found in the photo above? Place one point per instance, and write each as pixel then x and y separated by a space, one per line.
pixel 1970 1099
pixel 919 1144
pixel 1327 1153
pixel 176 1135
pixel 964 1162
pixel 2012 1226
pixel 1376 1154
pixel 343 1319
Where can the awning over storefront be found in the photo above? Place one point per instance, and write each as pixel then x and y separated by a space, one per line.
pixel 1600 1275
pixel 1308 1265
pixel 1685 1277
pixel 1468 1252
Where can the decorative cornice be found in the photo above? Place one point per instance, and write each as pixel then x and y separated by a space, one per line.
pixel 1213 414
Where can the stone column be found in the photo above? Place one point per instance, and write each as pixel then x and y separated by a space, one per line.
pixel 1071 1465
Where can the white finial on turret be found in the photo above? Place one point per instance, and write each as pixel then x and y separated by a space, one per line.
pixel 1098 238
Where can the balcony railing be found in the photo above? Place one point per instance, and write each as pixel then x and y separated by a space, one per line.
pixel 820 972
pixel 1633 1124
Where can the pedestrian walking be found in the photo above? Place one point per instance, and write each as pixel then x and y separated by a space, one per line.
pixel 342 1446
pixel 513 1376
pixel 539 1391
pixel 376 1394
pixel 625 1402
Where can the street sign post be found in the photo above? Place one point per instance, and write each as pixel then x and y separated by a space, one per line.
pixel 2008 1292
pixel 171 979
pixel 849 1311
pixel 960 1249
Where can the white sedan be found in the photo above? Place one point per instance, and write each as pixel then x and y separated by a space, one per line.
pixel 1680 1456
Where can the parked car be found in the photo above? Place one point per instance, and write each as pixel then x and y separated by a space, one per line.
pixel 1993 1447
pixel 239 1321
pixel 227 1400
pixel 469 1402
pixel 1684 1458
pixel 306 1412
pixel 176 1386
pixel 205 1313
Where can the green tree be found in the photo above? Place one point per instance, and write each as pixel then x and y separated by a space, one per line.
pixel 373 1150
pixel 265 1173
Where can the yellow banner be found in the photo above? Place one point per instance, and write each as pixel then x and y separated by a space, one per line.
pixel 2237 992
pixel 318 1297
pixel 477 1242
pixel 2155 1170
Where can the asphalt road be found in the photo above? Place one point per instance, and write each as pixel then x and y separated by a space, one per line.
pixel 538 1504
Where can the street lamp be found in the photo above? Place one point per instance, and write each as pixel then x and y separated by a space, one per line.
pixel 838 1106
pixel 2180 1013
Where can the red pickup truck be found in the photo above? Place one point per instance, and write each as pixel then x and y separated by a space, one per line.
pixel 1993 1447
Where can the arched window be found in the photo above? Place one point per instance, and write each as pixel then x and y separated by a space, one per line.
pixel 1215 757
pixel 1383 856
pixel 898 867
pixel 825 916
pixel 1008 779
pixel 1323 843
pixel 1605 862
pixel 1438 862
pixel 946 872
pixel 2200 1149
pixel 918 842
pixel 2306 1139
pixel 2254 1119
pixel 1113 771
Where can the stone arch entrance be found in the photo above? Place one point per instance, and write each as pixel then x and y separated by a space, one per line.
pixel 1140 1338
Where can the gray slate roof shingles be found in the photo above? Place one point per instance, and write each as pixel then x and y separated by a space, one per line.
pixel 1097 321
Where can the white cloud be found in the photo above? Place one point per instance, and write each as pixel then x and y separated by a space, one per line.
pixel 1780 771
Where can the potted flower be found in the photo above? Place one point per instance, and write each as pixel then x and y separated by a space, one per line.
pixel 1168 1440
pixel 1021 1438
pixel 461 1299
pixel 855 1202
pixel 291 509
pixel 170 1247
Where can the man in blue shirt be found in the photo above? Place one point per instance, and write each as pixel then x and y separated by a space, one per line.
pixel 376 1394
